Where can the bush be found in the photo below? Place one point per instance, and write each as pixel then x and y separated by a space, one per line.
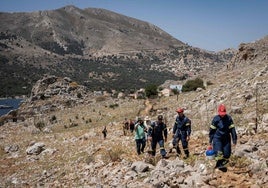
pixel 113 154
pixel 79 95
pixel 113 106
pixel 53 119
pixel 192 85
pixel 151 90
pixel 175 91
pixel 40 125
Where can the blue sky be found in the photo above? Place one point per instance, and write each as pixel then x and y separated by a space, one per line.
pixel 208 24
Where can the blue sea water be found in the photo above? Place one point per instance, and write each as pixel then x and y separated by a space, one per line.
pixel 13 103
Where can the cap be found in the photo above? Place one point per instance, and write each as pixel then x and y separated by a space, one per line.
pixel 160 117
pixel 179 110
pixel 140 119
pixel 146 118
pixel 222 110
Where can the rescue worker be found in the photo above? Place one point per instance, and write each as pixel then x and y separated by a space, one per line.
pixel 157 133
pixel 221 130
pixel 140 139
pixel 181 131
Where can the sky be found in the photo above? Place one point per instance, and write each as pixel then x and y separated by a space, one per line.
pixel 213 25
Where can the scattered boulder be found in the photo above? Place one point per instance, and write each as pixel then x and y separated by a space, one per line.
pixel 35 149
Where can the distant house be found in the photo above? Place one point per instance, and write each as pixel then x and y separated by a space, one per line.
pixel 97 93
pixel 165 92
pixel 176 87
pixel 138 94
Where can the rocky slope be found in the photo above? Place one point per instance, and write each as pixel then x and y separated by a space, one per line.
pixel 94 47
pixel 59 144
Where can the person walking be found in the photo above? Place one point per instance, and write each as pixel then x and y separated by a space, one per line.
pixel 147 124
pixel 220 132
pixel 131 125
pixel 157 133
pixel 125 126
pixel 140 136
pixel 181 131
pixel 104 132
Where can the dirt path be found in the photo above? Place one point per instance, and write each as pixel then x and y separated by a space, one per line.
pixel 147 109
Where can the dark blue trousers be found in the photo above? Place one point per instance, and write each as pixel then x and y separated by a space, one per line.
pixel 162 148
pixel 176 140
pixel 222 147
pixel 140 145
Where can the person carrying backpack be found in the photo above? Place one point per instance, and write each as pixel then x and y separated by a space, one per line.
pixel 220 132
pixel 181 131
pixel 157 133
pixel 140 136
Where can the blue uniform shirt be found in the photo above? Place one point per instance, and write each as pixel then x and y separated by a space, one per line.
pixel 182 125
pixel 156 131
pixel 221 128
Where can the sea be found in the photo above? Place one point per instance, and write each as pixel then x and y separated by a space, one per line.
pixel 13 104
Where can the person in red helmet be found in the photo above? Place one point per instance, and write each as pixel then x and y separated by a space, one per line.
pixel 220 132
pixel 181 131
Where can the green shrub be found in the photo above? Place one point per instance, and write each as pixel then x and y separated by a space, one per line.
pixel 192 85
pixel 79 95
pixel 151 90
pixel 175 91
pixel 40 125
pixel 53 119
pixel 113 106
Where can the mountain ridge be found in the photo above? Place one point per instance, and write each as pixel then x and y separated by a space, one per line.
pixel 79 43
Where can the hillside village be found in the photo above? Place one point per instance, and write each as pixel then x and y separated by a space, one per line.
pixel 57 141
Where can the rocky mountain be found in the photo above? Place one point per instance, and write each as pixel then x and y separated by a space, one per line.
pixel 98 48
pixel 59 142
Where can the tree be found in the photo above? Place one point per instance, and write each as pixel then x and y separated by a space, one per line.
pixel 192 85
pixel 151 90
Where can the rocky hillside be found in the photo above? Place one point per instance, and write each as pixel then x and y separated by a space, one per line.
pixel 59 141
pixel 98 48
pixel 70 30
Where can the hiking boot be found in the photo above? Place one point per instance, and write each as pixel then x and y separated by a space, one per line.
pixel 218 164
pixel 224 162
pixel 186 156
pixel 222 168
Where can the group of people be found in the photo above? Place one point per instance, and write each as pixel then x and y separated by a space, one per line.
pixel 221 130
pixel 128 125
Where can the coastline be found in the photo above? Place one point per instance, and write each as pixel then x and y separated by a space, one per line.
pixel 9 104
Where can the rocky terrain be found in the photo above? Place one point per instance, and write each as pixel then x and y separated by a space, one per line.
pixel 94 47
pixel 59 143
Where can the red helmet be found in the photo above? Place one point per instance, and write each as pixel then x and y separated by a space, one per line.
pixel 179 110
pixel 222 110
